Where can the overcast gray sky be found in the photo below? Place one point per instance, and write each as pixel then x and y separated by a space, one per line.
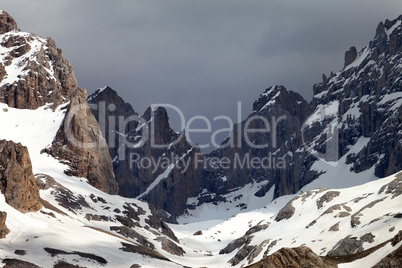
pixel 202 56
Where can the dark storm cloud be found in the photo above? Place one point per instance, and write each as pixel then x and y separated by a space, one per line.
pixel 203 56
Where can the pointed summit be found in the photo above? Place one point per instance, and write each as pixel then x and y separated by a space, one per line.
pixel 7 23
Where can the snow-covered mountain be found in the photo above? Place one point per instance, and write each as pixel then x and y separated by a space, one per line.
pixel 344 222
pixel 57 207
pixel 55 203
pixel 171 176
pixel 349 134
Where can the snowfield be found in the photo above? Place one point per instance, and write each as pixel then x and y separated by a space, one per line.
pixel 321 218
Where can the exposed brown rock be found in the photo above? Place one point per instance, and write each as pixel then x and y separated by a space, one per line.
pixel 244 251
pixel 257 250
pixel 327 197
pixel 355 219
pixel 89 256
pixel 394 259
pixel 235 244
pixel 351 245
pixel 394 187
pixel 2 71
pixel 7 23
pixel 334 228
pixel 155 222
pixel 49 79
pixel 139 249
pixel 64 196
pixel 131 233
pixel 171 247
pixel 14 263
pixel 17 181
pixel 80 144
pixel 293 257
pixel 197 233
pixel 3 227
pixel 287 211
pixel 396 239
pixel 37 87
pixel 243 244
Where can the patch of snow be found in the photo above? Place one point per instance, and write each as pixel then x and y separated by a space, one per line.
pixel 340 176
pixel 271 101
pixel 100 90
pixel 17 68
pixel 232 206
pixel 395 26
pixel 394 99
pixel 323 112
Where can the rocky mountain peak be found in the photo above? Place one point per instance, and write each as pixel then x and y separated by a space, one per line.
pixel 277 98
pixel 107 106
pixel 161 117
pixel 108 93
pixel 7 23
pixel 391 25
pixel 387 38
pixel 269 95
pixel 350 56
pixel 33 70
pixel 34 73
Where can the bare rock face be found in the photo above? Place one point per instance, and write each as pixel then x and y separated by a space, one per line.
pixel 362 101
pixel 394 259
pixel 282 112
pixel 351 245
pixel 17 181
pixel 7 23
pixel 80 144
pixel 293 257
pixel 171 247
pixel 287 211
pixel 108 108
pixel 45 78
pixel 145 148
pixel 350 56
pixel 3 228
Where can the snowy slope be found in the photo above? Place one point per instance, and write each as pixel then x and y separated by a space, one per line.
pixel 81 225
pixel 69 227
pixel 321 219
pixel 64 225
